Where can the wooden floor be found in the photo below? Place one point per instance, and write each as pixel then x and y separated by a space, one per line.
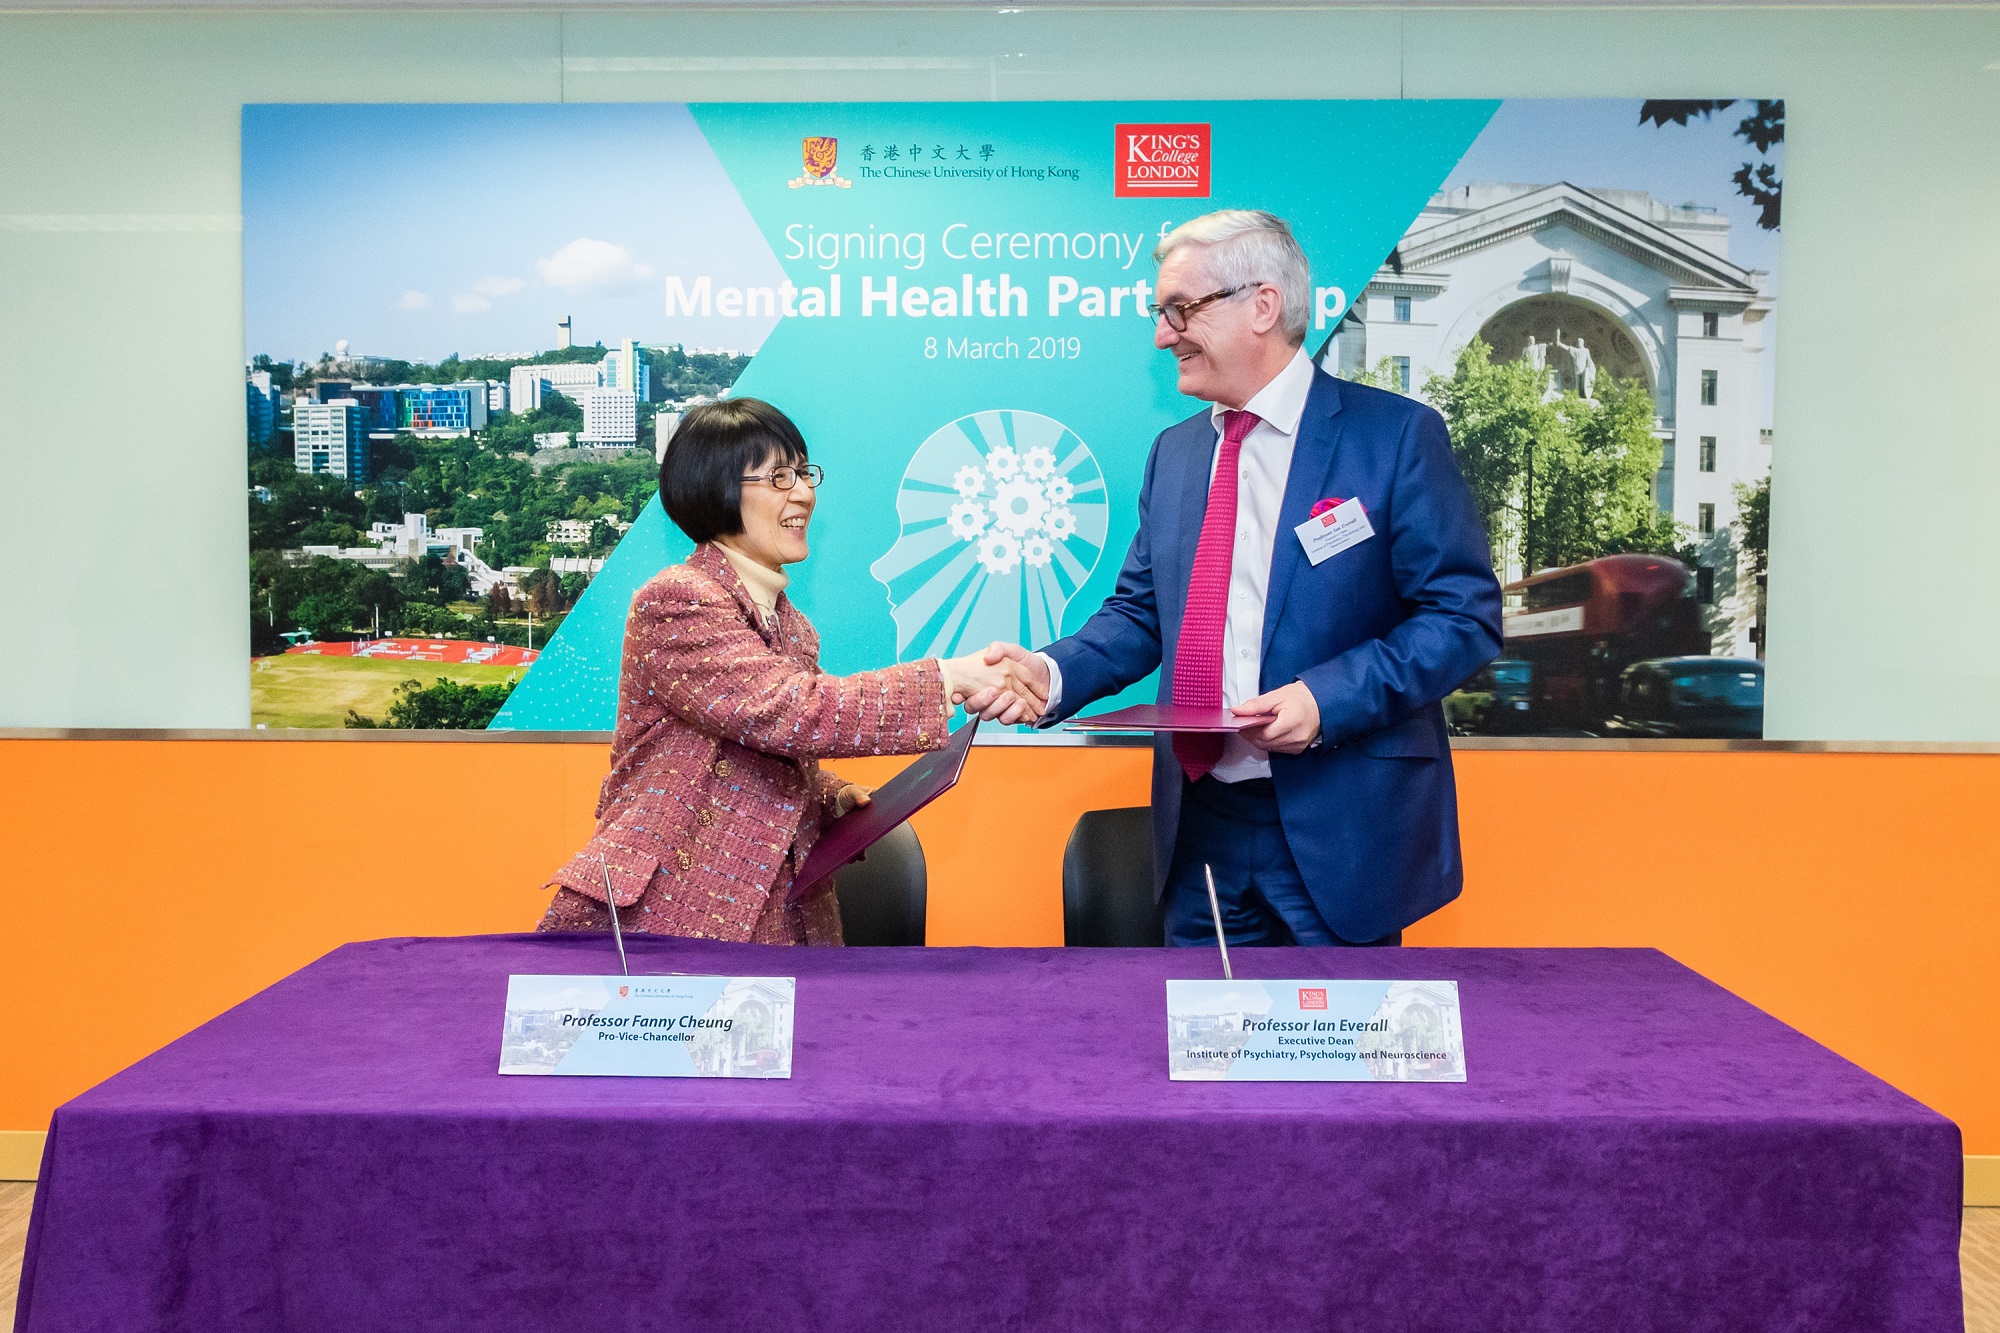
pixel 15 1198
pixel 1979 1261
pixel 1978 1257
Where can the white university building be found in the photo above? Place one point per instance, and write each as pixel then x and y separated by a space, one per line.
pixel 527 384
pixel 623 367
pixel 610 419
pixel 1590 283
pixel 330 438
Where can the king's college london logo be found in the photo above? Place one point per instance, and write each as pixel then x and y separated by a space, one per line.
pixel 820 152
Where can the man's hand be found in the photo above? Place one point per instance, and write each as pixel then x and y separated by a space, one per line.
pixel 993 685
pixel 1294 721
pixel 1024 692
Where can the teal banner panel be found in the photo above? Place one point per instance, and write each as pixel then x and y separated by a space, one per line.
pixel 950 301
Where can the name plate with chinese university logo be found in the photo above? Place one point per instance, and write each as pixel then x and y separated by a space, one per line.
pixel 649 1027
pixel 1315 1031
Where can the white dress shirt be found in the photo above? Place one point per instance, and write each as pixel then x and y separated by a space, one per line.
pixel 1264 465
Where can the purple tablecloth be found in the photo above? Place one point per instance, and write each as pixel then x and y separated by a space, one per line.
pixel 987 1139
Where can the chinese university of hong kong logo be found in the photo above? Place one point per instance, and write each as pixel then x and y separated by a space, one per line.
pixel 1155 161
pixel 820 152
pixel 623 991
pixel 1312 999
pixel 1004 515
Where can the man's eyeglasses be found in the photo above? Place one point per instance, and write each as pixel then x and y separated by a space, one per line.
pixel 784 478
pixel 1176 312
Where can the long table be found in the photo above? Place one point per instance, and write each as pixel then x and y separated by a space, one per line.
pixel 986 1139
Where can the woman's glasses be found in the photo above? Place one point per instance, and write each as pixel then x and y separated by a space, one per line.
pixel 784 478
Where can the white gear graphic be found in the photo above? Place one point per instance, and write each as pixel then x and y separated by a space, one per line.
pixel 1003 463
pixel 1060 490
pixel 968 520
pixel 1037 551
pixel 1039 462
pixel 970 481
pixel 1060 524
pixel 999 552
pixel 1018 506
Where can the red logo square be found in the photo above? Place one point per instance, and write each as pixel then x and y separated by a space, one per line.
pixel 1155 161
pixel 1312 999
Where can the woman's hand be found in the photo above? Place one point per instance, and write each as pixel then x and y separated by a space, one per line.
pixel 851 797
pixel 976 673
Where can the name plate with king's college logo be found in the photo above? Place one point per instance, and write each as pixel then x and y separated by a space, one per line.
pixel 1315 1031
pixel 649 1027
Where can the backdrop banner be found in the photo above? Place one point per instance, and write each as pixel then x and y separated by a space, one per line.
pixel 473 328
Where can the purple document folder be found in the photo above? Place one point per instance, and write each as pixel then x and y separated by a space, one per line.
pixel 1165 717
pixel 893 802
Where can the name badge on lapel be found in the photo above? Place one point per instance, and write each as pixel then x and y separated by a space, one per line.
pixel 1330 533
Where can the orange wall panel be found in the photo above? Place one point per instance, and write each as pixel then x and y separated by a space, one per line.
pixel 1850 895
pixel 147 885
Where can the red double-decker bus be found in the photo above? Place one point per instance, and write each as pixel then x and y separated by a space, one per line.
pixel 1579 627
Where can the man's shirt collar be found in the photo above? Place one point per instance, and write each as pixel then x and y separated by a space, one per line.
pixel 1282 402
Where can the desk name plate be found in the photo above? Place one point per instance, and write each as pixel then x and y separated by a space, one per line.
pixel 1314 1032
pixel 649 1026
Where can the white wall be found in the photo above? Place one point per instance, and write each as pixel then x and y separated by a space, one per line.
pixel 124 549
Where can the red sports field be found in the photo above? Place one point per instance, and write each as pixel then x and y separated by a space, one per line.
pixel 468 652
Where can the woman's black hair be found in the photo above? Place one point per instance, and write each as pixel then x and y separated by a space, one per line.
pixel 714 447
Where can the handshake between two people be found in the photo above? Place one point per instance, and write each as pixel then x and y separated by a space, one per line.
pixel 1005 683
pixel 1008 684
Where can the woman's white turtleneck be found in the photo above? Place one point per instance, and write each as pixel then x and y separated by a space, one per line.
pixel 763 582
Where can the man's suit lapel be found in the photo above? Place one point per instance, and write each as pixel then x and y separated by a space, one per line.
pixel 1190 494
pixel 1312 466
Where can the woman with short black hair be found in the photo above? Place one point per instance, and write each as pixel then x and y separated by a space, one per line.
pixel 701 486
pixel 715 793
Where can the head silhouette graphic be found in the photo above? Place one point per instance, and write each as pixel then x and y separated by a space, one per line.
pixel 1003 519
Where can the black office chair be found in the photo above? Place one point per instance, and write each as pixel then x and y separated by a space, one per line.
pixel 882 895
pixel 1108 882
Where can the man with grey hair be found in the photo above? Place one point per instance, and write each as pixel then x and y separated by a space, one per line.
pixel 1309 560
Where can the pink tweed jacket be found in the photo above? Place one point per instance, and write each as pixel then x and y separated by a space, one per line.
pixel 715 793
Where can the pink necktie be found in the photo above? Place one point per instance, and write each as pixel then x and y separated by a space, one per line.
pixel 1198 659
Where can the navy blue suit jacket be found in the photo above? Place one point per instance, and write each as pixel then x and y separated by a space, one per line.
pixel 1379 633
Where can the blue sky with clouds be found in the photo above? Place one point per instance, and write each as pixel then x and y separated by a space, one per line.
pixel 421 230
pixel 1601 144
pixel 418 231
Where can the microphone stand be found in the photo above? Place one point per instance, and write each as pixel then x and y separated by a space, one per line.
pixel 1215 911
pixel 618 932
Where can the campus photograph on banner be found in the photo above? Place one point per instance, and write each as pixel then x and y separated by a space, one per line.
pixel 457 400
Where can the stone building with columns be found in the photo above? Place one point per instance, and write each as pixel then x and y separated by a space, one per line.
pixel 1594 282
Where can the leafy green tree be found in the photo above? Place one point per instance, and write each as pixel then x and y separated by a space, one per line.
pixel 437 579
pixel 679 374
pixel 298 502
pixel 443 705
pixel 430 618
pixel 1500 420
pixel 1753 522
pixel 1559 479
pixel 543 589
pixel 325 614
pixel 1595 496
pixel 329 532
pixel 279 371
pixel 1386 375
